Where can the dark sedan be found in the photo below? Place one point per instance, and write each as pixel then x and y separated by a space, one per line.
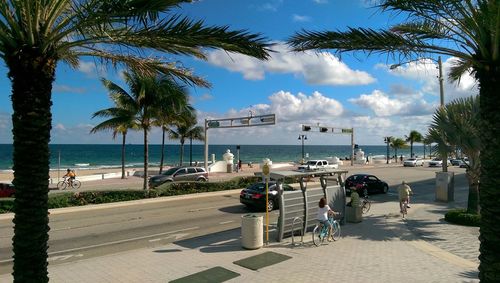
pixel 365 184
pixel 6 190
pixel 255 195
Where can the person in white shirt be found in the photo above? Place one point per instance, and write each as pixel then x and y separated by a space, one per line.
pixel 323 211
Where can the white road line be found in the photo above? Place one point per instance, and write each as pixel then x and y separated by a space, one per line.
pixel 226 222
pixel 113 242
pixel 203 208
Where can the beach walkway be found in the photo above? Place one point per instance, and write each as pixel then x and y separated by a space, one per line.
pixel 382 248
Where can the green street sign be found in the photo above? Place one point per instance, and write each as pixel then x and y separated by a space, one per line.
pixel 347 131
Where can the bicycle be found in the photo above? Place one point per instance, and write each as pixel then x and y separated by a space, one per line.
pixel 404 209
pixel 75 184
pixel 320 232
pixel 366 204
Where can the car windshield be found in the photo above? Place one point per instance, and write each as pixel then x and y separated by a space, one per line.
pixel 259 187
pixel 358 177
pixel 170 171
pixel 411 159
pixel 311 163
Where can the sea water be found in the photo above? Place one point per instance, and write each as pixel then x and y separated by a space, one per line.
pixel 95 156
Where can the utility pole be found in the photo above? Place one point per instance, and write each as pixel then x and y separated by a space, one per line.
pixel 387 140
pixel 441 98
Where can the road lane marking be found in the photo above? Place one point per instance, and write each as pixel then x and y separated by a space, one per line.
pixel 203 208
pixel 113 242
pixel 63 257
pixel 174 236
pixel 226 222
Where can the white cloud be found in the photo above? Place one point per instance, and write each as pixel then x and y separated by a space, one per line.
pixel 206 96
pixel 320 1
pixel 383 105
pixel 60 127
pixel 91 69
pixel 272 5
pixel 316 68
pixel 301 19
pixel 425 71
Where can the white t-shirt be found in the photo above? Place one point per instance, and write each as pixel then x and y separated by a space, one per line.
pixel 323 213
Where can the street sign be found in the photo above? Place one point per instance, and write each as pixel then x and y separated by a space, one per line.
pixel 265 170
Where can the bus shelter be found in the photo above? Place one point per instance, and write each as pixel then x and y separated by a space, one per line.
pixel 298 209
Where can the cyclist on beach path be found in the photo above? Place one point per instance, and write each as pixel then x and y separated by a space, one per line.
pixel 71 175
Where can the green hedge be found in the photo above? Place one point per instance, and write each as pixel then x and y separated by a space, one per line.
pixel 68 199
pixel 461 217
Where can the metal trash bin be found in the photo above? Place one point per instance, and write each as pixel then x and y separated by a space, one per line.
pixel 354 214
pixel 445 183
pixel 252 233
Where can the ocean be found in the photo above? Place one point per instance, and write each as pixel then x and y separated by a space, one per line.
pixel 95 156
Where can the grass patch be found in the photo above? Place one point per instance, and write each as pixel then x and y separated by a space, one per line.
pixel 68 199
pixel 461 217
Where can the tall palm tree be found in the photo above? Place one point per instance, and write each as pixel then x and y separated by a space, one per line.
pixel 197 133
pixel 188 129
pixel 170 112
pixel 37 35
pixel 147 94
pixel 458 123
pixel 468 30
pixel 427 141
pixel 414 136
pixel 397 143
pixel 120 121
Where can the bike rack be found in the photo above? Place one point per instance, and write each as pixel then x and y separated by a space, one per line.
pixel 297 219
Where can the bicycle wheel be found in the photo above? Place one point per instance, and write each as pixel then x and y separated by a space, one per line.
pixel 317 237
pixel 76 184
pixel 335 231
pixel 62 185
pixel 366 206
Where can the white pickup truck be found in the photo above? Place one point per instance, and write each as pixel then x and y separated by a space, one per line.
pixel 317 165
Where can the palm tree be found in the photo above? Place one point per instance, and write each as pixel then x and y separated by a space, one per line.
pixel 414 136
pixel 467 30
pixel 197 133
pixel 458 123
pixel 185 130
pixel 37 35
pixel 169 112
pixel 427 141
pixel 397 143
pixel 120 121
pixel 147 96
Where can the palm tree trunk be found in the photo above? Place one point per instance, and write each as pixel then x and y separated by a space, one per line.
pixel 181 158
pixel 145 183
pixel 124 135
pixel 162 148
pixel 191 151
pixel 32 77
pixel 411 149
pixel 473 198
pixel 489 193
pixel 424 150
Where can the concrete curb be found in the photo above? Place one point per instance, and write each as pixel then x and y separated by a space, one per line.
pixel 55 211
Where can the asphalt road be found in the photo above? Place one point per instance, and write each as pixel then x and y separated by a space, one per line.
pixel 85 234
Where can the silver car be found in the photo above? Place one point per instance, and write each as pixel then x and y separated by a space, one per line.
pixel 179 174
pixel 413 162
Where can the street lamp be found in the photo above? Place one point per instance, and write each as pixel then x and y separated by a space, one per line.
pixel 441 98
pixel 387 140
pixel 302 138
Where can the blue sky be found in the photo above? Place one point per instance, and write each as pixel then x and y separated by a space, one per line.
pixel 300 88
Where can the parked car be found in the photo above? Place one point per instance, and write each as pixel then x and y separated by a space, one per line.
pixel 455 162
pixel 6 190
pixel 317 165
pixel 437 162
pixel 413 162
pixel 464 163
pixel 255 195
pixel 179 174
pixel 365 184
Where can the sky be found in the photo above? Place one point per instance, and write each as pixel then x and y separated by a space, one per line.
pixel 312 88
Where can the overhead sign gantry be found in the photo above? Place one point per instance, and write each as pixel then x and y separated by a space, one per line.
pixel 238 122
pixel 332 130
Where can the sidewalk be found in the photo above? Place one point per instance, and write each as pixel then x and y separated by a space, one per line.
pixel 382 248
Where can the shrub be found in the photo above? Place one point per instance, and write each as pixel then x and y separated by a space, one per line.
pixel 461 217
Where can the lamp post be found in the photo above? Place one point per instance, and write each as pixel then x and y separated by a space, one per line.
pixel 387 140
pixel 441 98
pixel 302 138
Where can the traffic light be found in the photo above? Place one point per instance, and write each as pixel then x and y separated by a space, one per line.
pixel 213 124
pixel 323 130
pixel 306 128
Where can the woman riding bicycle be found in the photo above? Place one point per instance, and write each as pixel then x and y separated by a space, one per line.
pixel 323 211
pixel 70 174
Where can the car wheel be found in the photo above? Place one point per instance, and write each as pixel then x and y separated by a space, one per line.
pixel 385 189
pixel 270 205
pixel 201 180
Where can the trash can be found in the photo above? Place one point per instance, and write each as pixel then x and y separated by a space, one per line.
pixel 252 235
pixel 445 186
pixel 354 214
pixel 229 168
